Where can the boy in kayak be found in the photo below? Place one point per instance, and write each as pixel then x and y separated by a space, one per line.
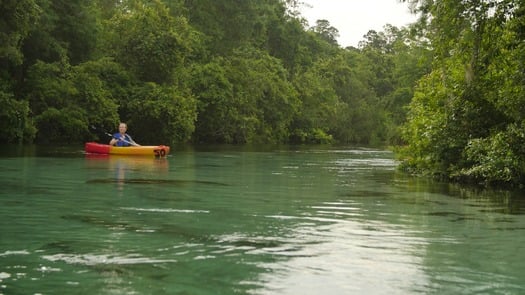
pixel 122 138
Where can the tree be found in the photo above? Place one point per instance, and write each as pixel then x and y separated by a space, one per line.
pixel 15 121
pixel 467 105
pixel 214 92
pixel 244 98
pixel 160 113
pixel 396 59
pixel 64 98
pixel 313 121
pixel 230 24
pixel 150 42
pixel 210 71
pixel 326 31
pixel 361 118
pixel 18 17
pixel 15 24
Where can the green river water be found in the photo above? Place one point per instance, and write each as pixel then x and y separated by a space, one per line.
pixel 318 220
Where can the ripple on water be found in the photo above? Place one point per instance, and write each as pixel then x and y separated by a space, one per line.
pixel 96 259
pixel 4 275
pixel 352 164
pixel 164 210
pixel 20 252
pixel 347 251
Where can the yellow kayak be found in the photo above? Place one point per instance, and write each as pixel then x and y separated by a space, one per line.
pixel 145 150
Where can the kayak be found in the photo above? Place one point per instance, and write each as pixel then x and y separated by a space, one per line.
pixel 144 150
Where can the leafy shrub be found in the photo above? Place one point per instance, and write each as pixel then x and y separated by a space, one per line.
pixel 498 159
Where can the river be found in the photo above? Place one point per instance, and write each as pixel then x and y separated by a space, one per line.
pixel 231 220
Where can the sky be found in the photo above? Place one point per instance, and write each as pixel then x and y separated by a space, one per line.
pixel 354 18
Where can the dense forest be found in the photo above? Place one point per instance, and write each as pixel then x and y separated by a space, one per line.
pixel 202 71
pixel 448 89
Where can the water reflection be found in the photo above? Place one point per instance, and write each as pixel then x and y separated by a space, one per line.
pixel 125 166
pixel 341 244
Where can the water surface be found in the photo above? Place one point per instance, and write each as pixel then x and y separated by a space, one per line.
pixel 236 221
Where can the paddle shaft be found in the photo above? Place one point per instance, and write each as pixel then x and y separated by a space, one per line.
pixel 128 142
pixel 111 135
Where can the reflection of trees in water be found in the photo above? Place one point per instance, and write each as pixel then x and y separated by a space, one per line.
pixel 121 167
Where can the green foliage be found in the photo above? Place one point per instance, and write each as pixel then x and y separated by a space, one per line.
pixel 59 87
pixel 160 114
pixel 286 41
pixel 326 31
pixel 215 103
pixel 228 25
pixel 93 96
pixel 497 159
pixel 66 125
pixel 15 122
pixel 244 98
pixel 464 118
pixel 76 28
pixel 50 85
pixel 426 120
pixel 15 24
pixel 267 100
pixel 204 71
pixel 150 42
pixel 116 83
pixel 62 30
pixel 394 60
pixel 337 100
pixel 315 117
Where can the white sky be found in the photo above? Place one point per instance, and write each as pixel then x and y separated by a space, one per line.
pixel 354 18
